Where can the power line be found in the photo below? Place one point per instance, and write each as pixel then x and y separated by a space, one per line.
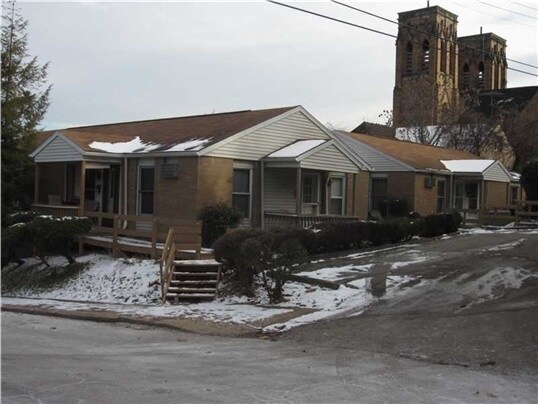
pixel 362 27
pixel 494 15
pixel 507 10
pixel 428 33
pixel 524 5
pixel 331 18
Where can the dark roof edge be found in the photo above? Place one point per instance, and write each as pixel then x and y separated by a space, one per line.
pixel 170 118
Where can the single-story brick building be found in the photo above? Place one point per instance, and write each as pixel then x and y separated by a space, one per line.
pixel 431 179
pixel 275 165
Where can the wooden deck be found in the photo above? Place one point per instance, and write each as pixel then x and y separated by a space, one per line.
pixel 144 235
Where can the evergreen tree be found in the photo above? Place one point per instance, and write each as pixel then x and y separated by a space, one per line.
pixel 25 99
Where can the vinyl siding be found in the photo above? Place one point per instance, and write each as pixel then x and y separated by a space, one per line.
pixel 270 138
pixel 280 190
pixel 329 159
pixel 496 173
pixel 376 159
pixel 58 150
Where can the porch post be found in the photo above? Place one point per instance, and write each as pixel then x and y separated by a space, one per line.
pixel 36 183
pixel 82 192
pixel 298 192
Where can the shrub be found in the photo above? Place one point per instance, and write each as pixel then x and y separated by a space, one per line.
pixel 216 220
pixel 390 231
pixel 285 258
pixel 439 224
pixel 56 235
pixel 15 243
pixel 244 254
pixel 306 237
pixel 339 236
pixel 398 207
pixel 529 180
pixel 18 217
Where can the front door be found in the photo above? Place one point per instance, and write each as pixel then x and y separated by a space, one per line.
pixel 310 194
pixel 466 195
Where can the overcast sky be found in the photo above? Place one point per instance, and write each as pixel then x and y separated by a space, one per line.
pixel 112 62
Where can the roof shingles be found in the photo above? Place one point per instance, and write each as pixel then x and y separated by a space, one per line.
pixel 168 133
pixel 419 156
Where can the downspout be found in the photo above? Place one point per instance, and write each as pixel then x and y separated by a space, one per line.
pixel 125 169
pixel 262 195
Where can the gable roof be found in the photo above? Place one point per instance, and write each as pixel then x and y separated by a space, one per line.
pixel 375 129
pixel 415 155
pixel 189 133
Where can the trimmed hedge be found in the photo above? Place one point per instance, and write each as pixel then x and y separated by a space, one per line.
pixel 43 236
pixel 216 220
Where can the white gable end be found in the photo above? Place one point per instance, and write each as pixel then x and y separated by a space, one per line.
pixel 329 159
pixel 58 149
pixel 272 137
pixel 496 172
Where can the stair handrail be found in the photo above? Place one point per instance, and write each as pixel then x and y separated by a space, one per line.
pixel 168 270
pixel 164 262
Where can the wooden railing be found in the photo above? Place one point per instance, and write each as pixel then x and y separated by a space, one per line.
pixel 166 263
pixel 55 210
pixel 301 221
pixel 509 213
pixel 145 233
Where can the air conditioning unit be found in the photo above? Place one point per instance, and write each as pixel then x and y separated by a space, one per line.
pixel 169 170
pixel 429 182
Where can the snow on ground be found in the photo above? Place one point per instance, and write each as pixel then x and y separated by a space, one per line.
pixel 124 286
pixel 493 284
pixel 336 273
pixel 106 280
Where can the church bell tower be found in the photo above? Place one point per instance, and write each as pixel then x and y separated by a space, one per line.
pixel 426 66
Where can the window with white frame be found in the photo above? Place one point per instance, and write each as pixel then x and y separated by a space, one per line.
pixel 146 189
pixel 336 203
pixel 310 188
pixel 242 194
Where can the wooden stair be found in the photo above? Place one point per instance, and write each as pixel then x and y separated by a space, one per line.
pixel 192 280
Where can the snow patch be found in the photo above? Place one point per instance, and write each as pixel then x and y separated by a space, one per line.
pixel 297 148
pixel 132 146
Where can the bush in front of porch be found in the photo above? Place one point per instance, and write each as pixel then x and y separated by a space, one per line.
pixel 42 236
pixel 216 220
pixel 276 253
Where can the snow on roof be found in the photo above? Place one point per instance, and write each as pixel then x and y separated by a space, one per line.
pixel 467 166
pixel 193 145
pixel 136 145
pixel 132 146
pixel 515 176
pixel 297 148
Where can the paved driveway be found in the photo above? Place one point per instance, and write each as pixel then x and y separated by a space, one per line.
pixel 52 360
pixel 476 307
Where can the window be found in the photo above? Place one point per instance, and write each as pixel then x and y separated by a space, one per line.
pixel 514 195
pixel 379 195
pixel 241 191
pixel 146 185
pixel 425 55
pixel 465 75
pixel 443 57
pixel 481 75
pixel 336 204
pixel 441 196
pixel 310 193
pixel 458 195
pixel 408 58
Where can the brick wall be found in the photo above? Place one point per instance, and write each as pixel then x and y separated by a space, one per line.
pixel 214 181
pixel 496 194
pixel 357 196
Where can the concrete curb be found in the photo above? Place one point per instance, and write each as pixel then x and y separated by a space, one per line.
pixel 191 325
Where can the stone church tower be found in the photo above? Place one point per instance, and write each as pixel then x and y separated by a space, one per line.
pixel 483 67
pixel 434 67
